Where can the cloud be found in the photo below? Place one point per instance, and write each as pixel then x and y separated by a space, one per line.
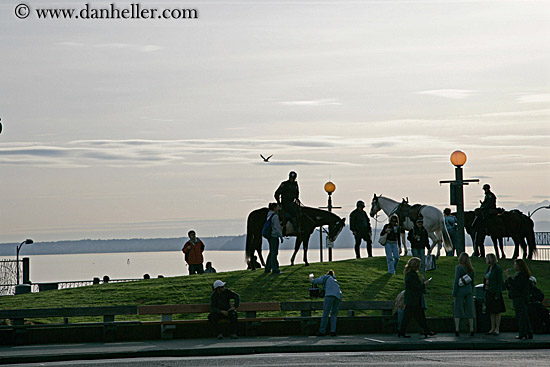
pixel 316 102
pixel 450 93
pixel 534 98
pixel 120 46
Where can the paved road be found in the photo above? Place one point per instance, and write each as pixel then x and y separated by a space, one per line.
pixel 424 359
pixel 255 349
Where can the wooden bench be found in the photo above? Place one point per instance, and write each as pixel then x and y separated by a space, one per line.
pixel 168 325
pixel 307 307
pixel 18 317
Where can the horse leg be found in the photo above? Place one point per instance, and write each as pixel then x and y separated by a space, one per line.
pixel 435 242
pixel 306 246
pixel 296 249
pixel 495 245
pixel 516 249
pixel 259 251
pixel 404 243
pixel 501 243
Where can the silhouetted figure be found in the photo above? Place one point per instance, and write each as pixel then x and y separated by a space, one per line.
pixel 193 250
pixel 106 279
pixel 288 195
pixel 518 285
pixel 272 264
pixel 220 308
pixel 209 268
pixel 146 276
pixel 359 224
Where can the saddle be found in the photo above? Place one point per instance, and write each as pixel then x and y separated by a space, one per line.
pixel 409 214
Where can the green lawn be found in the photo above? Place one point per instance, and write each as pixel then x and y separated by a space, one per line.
pixel 364 279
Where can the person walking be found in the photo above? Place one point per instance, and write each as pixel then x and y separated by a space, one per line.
pixel 272 264
pixel 418 237
pixel 451 223
pixel 414 290
pixel 193 250
pixel 331 303
pixel 463 293
pixel 518 285
pixel 221 308
pixel 359 224
pixel 393 243
pixel 493 285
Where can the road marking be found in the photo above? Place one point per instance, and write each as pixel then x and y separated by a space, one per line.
pixel 374 340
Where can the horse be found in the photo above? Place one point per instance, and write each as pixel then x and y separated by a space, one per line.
pixel 513 224
pixel 433 220
pixel 311 218
pixel 478 242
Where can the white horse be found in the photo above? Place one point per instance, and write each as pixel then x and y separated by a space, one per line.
pixel 434 221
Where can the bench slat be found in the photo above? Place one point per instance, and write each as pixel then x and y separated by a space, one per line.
pixel 204 308
pixel 345 305
pixel 68 312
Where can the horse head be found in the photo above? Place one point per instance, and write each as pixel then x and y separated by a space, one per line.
pixel 335 228
pixel 374 206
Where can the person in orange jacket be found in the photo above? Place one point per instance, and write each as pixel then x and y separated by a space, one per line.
pixel 193 250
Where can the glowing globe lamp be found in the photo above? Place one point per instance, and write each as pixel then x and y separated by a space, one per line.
pixel 458 158
pixel 330 187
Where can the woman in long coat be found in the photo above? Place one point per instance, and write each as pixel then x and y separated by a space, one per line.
pixel 518 284
pixel 493 285
pixel 414 289
pixel 463 293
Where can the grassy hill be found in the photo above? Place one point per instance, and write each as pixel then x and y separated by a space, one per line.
pixel 364 279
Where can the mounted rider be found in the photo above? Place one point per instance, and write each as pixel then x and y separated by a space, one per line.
pixel 287 195
pixel 490 200
pixel 488 208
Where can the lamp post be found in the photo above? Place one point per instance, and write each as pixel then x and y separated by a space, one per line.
pixel 329 187
pixel 458 159
pixel 28 241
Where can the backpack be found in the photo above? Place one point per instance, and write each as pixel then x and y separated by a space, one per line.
pixel 266 230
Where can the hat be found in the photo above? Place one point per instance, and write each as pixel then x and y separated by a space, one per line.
pixel 292 174
pixel 218 284
pixel 361 203
pixel 533 280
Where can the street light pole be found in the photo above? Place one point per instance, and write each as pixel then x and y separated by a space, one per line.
pixel 458 159
pixel 28 241
pixel 330 187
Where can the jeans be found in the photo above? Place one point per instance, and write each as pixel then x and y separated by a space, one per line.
pixel 420 253
pixel 392 256
pixel 196 269
pixel 362 235
pixel 215 318
pixel 272 264
pixel 330 305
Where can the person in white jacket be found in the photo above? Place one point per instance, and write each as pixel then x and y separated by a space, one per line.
pixel 331 305
pixel 272 264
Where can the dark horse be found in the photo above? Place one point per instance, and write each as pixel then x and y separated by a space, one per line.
pixel 513 224
pixel 479 248
pixel 311 218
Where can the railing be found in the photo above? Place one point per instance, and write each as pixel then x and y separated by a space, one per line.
pixel 542 238
pixel 542 254
pixel 9 289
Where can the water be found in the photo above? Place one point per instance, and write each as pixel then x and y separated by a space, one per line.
pixel 133 265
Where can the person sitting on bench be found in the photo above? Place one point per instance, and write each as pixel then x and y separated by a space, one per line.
pixel 220 308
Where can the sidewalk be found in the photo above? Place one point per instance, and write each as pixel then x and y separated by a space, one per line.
pixel 247 345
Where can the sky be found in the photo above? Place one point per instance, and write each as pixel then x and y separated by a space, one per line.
pixel 147 128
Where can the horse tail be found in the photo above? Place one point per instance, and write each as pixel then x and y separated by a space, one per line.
pixel 250 238
pixel 530 235
pixel 447 242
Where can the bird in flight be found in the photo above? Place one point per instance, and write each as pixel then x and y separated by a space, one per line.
pixel 266 159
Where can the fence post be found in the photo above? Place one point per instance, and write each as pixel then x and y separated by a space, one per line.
pixel 26 270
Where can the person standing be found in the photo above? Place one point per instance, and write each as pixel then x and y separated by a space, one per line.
pixel 451 224
pixel 193 250
pixel 331 303
pixel 493 285
pixel 288 194
pixel 393 243
pixel 272 264
pixel 463 293
pixel 518 284
pixel 414 290
pixel 359 224
pixel 418 237
pixel 221 308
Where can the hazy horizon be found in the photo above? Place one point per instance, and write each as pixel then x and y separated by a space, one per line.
pixel 147 128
